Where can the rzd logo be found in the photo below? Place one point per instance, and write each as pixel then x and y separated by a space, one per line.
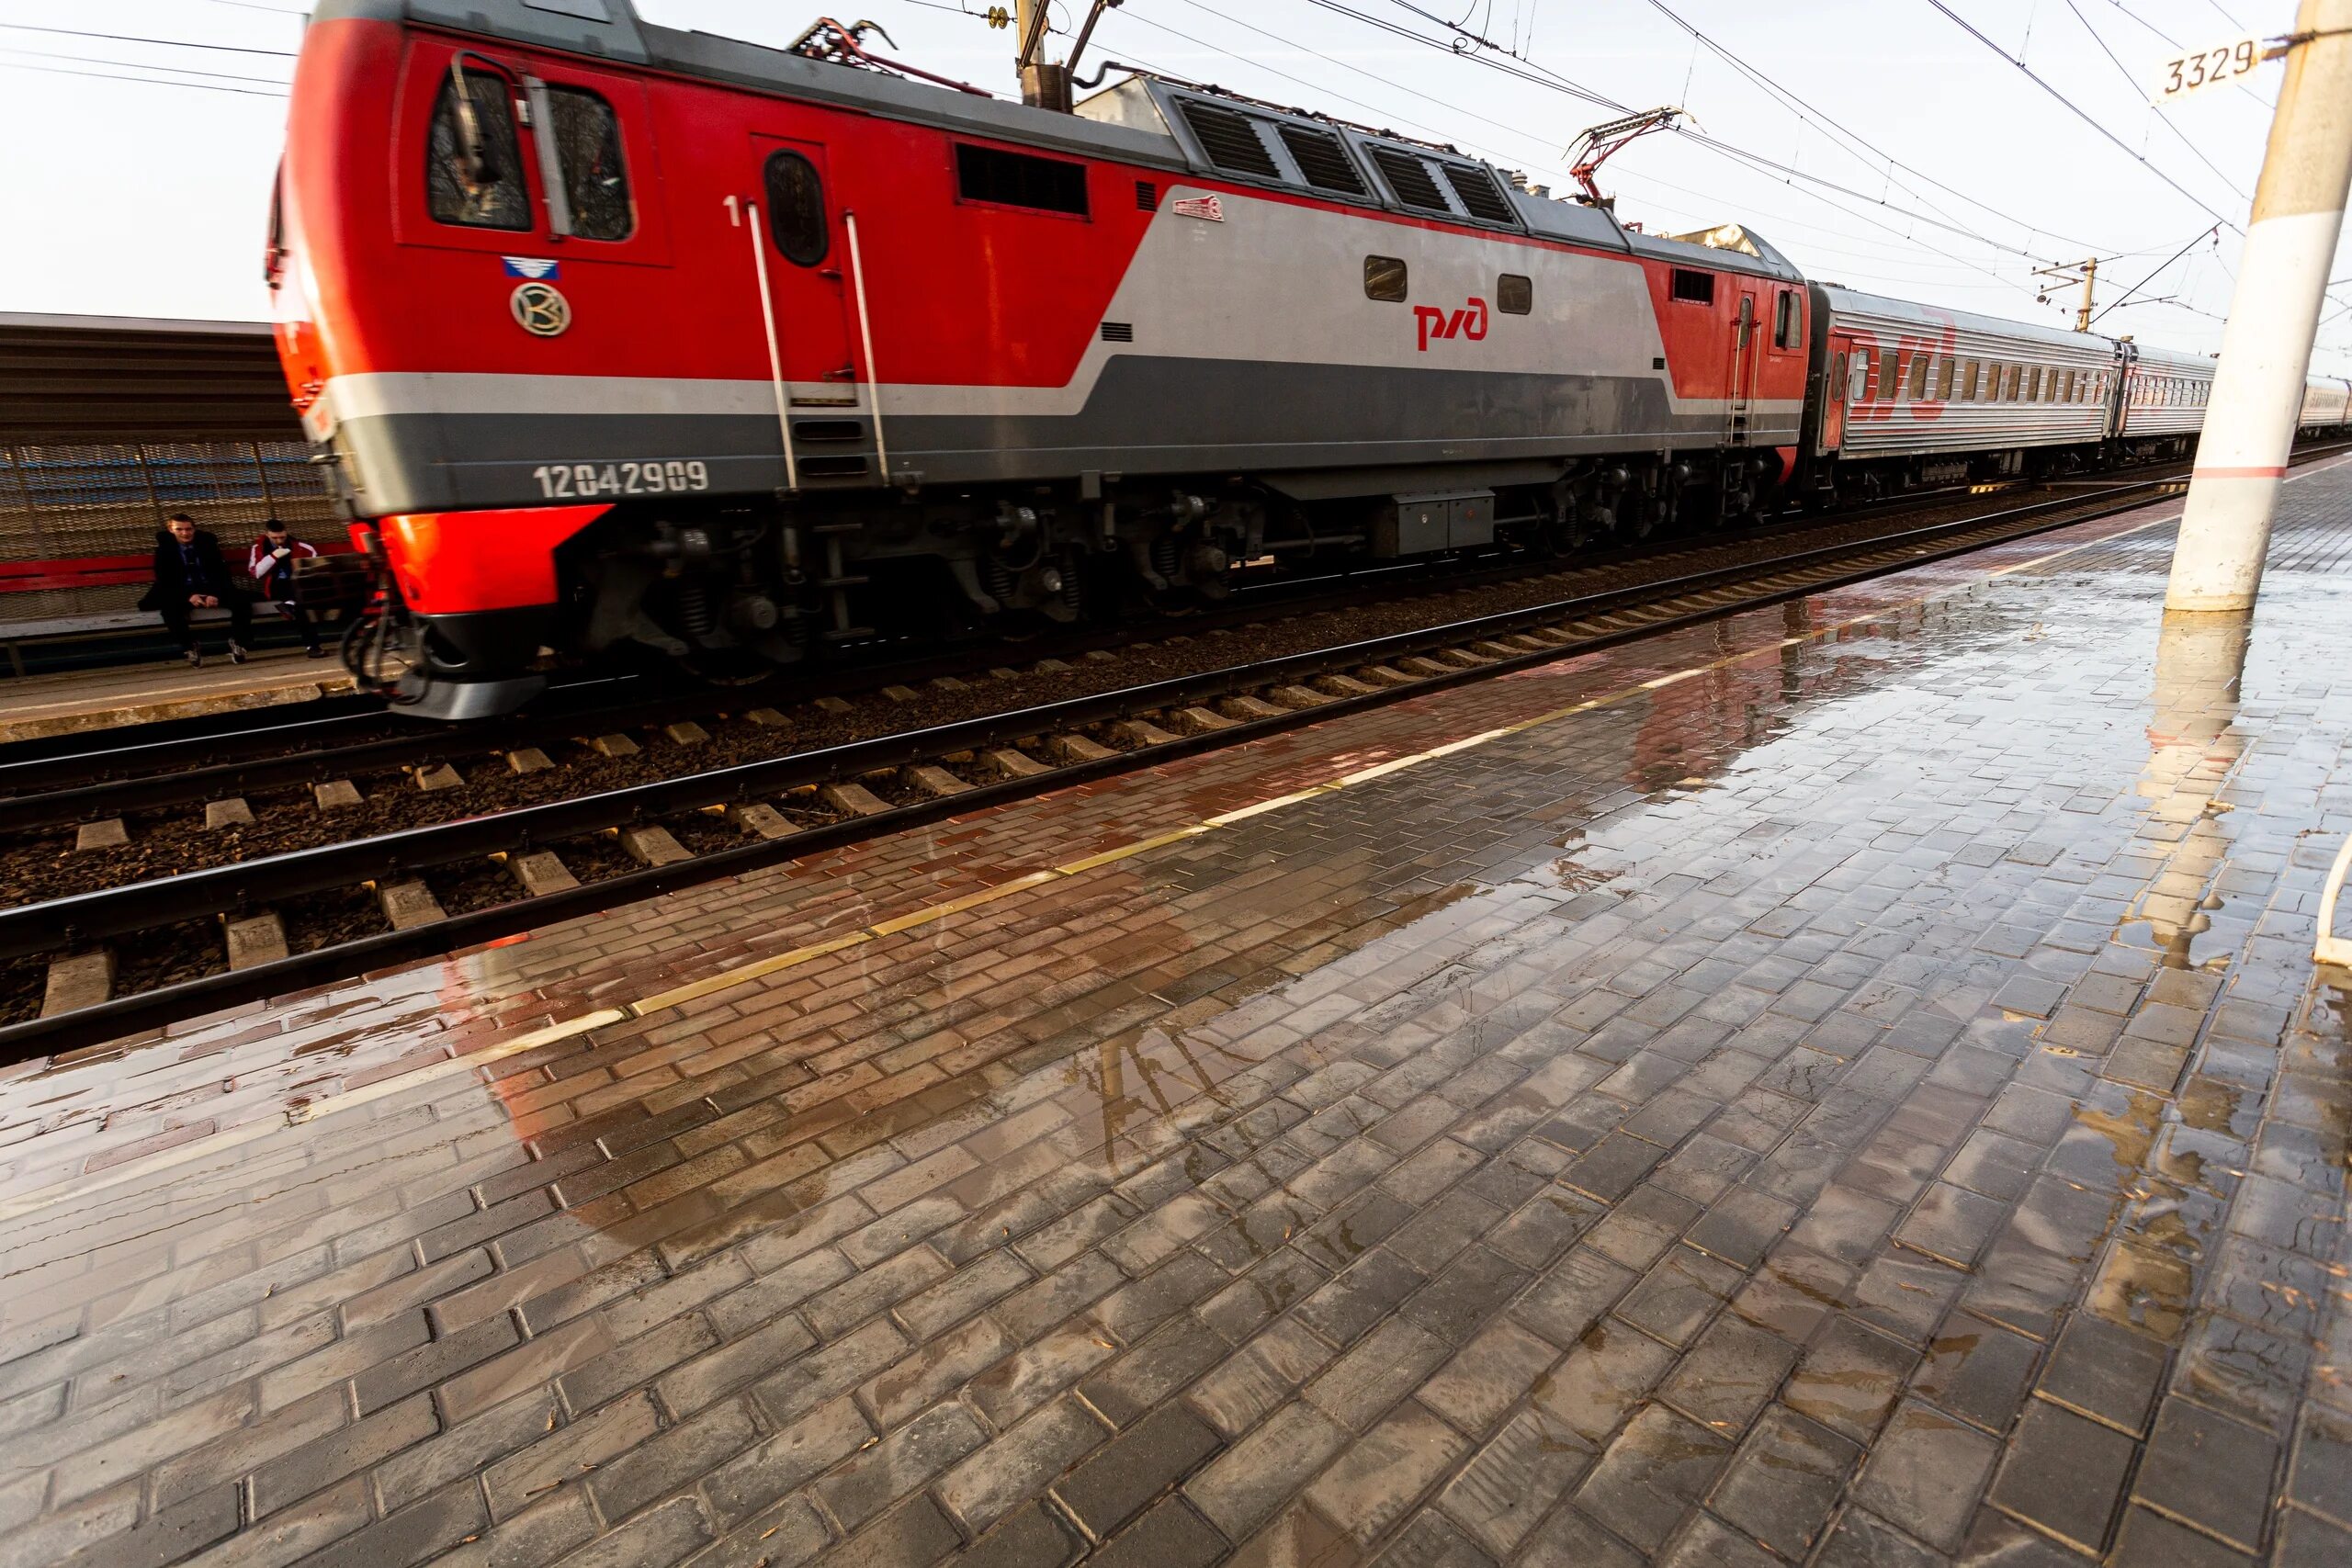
pixel 1470 321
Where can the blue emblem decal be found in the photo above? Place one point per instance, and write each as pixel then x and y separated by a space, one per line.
pixel 536 268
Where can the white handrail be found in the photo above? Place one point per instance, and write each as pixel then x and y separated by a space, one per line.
pixel 2331 948
pixel 775 355
pixel 866 341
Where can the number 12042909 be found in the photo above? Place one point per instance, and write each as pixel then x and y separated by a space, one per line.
pixel 588 480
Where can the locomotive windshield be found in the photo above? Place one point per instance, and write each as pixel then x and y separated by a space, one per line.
pixel 473 169
pixel 588 149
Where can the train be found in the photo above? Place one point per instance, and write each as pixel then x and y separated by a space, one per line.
pixel 641 341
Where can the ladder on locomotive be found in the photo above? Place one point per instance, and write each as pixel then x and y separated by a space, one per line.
pixel 1746 346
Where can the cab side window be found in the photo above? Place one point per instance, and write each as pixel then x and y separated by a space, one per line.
pixel 588 151
pixel 1786 319
pixel 797 209
pixel 473 165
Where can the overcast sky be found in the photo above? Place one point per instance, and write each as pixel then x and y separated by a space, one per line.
pixel 146 200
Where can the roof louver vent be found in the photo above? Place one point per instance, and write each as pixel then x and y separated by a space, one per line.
pixel 1231 139
pixel 1322 160
pixel 1409 178
pixel 1476 189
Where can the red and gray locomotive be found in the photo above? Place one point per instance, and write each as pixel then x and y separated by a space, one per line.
pixel 617 337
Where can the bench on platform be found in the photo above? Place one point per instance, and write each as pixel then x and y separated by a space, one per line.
pixel 87 572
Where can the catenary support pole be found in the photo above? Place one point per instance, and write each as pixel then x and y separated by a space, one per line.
pixel 1044 84
pixel 2266 346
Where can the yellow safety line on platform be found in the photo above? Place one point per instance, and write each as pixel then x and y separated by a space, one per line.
pixel 743 973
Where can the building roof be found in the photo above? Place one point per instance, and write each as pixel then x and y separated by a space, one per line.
pixel 67 378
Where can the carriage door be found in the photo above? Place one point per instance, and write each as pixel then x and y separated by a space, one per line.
pixel 801 255
pixel 1838 392
pixel 1747 343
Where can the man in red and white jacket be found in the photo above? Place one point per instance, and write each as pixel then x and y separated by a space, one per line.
pixel 271 561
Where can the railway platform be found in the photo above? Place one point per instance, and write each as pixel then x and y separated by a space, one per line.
pixel 1845 1084
pixel 77 701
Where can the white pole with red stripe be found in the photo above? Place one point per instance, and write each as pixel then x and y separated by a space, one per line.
pixel 2266 346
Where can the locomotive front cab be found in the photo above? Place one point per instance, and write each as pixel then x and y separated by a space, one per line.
pixel 439 309
pixel 577 340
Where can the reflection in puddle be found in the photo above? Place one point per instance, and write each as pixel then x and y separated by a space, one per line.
pixel 2194 745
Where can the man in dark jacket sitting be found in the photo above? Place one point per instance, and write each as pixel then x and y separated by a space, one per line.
pixel 191 576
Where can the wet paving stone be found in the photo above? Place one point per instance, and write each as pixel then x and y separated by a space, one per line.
pixel 1852 1091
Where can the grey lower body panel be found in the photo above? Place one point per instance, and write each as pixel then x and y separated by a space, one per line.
pixel 1146 416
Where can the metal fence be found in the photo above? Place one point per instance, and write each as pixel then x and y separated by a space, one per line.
pixel 84 516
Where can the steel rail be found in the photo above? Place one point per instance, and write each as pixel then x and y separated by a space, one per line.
pixel 112 1019
pixel 139 773
pixel 118 911
pixel 43 781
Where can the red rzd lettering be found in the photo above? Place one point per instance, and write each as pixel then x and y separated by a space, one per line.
pixel 1470 321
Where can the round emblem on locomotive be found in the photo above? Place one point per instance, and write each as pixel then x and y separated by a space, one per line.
pixel 540 308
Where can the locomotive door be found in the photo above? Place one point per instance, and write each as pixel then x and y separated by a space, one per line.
pixel 1838 392
pixel 1747 343
pixel 802 257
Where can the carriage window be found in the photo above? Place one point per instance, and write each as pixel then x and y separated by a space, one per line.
pixel 1016 179
pixel 1921 364
pixel 1786 322
pixel 1693 287
pixel 1514 295
pixel 474 167
pixel 797 209
pixel 1885 388
pixel 1859 389
pixel 1944 382
pixel 1838 370
pixel 1967 380
pixel 1384 280
pixel 588 149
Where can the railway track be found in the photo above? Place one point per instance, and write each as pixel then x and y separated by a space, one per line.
pixel 90 776
pixel 571 856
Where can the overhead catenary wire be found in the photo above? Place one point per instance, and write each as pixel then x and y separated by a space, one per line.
pixel 2172 43
pixel 1876 264
pixel 2004 283
pixel 1542 76
pixel 159 43
pixel 145 80
pixel 1806 111
pixel 140 66
pixel 2086 117
pixel 2125 71
pixel 1483 51
pixel 2120 298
